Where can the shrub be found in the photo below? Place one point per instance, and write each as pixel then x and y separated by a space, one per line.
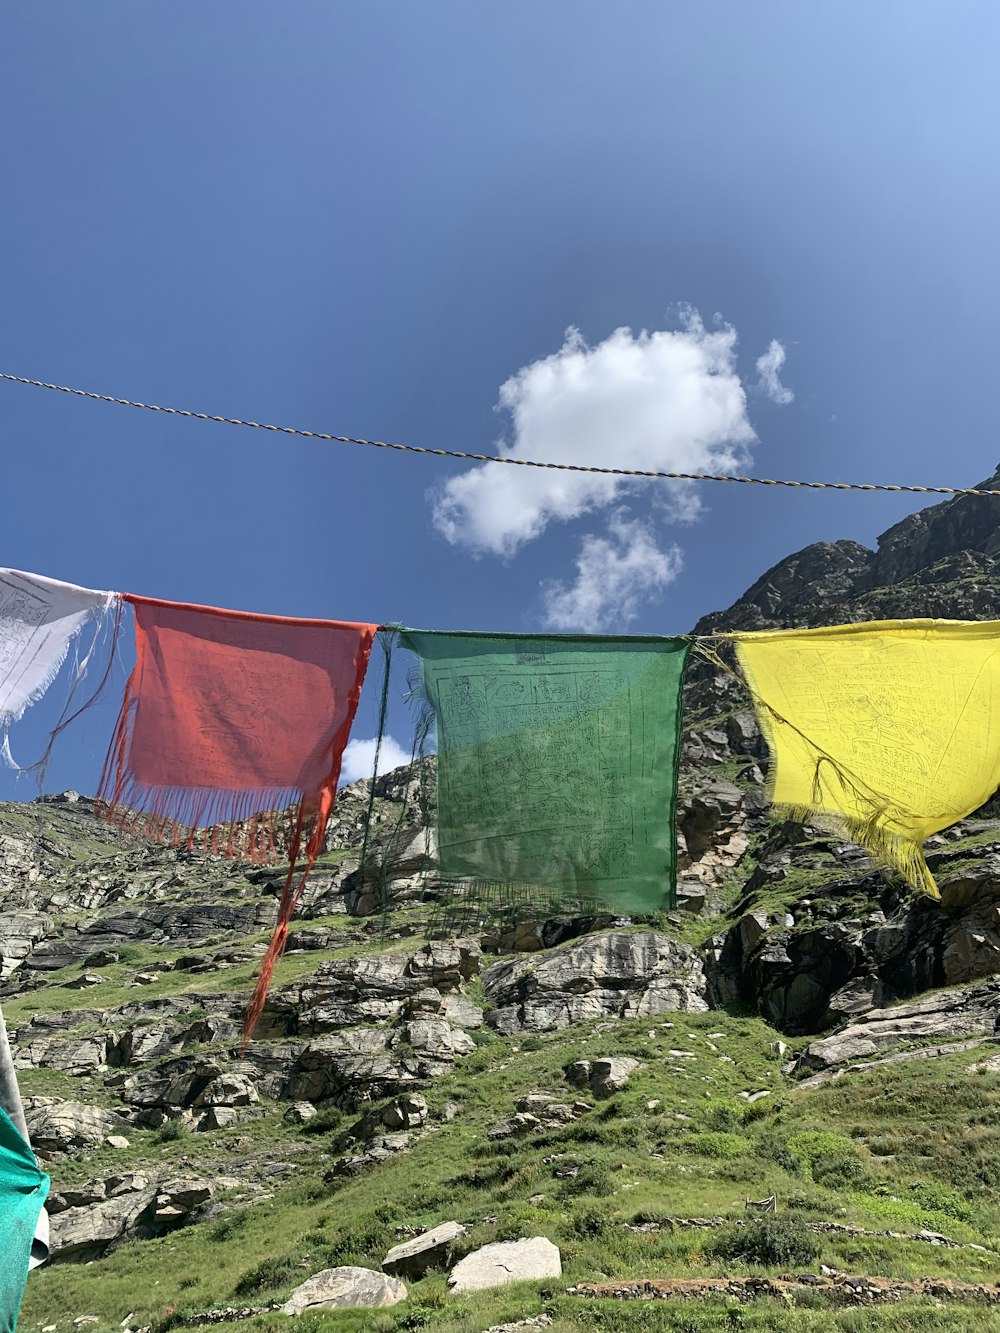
pixel 368 1237
pixel 831 1159
pixel 592 1178
pixel 769 1241
pixel 532 1044
pixel 719 1145
pixel 723 1116
pixel 942 1199
pixel 329 1119
pixel 589 1223
pixel 230 1225
pixel 775 1149
pixel 267 1275
pixel 652 1216
pixel 171 1131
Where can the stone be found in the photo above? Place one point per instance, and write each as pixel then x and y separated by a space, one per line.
pixel 692 896
pixel 619 974
pixel 345 1288
pixel 228 1089
pixel 408 1112
pixel 116 1141
pixel 609 1076
pixel 578 1073
pixel 413 1258
pixel 87 1231
pixel 517 1126
pixel 506 1261
pixel 300 1113
pixel 57 1127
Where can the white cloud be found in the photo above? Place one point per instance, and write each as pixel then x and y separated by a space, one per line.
pixel 769 369
pixel 359 757
pixel 668 401
pixel 614 575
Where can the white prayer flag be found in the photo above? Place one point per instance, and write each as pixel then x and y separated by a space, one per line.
pixel 39 619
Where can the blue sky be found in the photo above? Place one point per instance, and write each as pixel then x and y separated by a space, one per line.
pixel 368 218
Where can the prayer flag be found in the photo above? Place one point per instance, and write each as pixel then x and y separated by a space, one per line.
pixel 229 719
pixel 24 1224
pixel 556 765
pixel 886 731
pixel 39 618
pixel 23 1188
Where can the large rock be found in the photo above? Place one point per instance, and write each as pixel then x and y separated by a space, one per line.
pixel 620 974
pixel 973 1011
pixel 19 933
pixel 346 992
pixel 809 976
pixel 343 1288
pixel 63 1127
pixel 418 1256
pixel 506 1261
pixel 86 1232
pixel 608 1076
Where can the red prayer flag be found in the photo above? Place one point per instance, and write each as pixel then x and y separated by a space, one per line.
pixel 229 720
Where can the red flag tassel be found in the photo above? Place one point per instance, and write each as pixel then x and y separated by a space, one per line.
pixel 290 895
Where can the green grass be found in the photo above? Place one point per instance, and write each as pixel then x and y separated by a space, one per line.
pixel 580 1184
pixel 115 992
pixel 906 1148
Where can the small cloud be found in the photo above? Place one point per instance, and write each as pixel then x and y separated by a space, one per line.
pixel 666 401
pixel 614 576
pixel 768 369
pixel 359 758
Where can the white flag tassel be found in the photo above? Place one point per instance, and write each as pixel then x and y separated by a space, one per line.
pixel 39 619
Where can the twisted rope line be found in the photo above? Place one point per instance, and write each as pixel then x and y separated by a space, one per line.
pixel 499 458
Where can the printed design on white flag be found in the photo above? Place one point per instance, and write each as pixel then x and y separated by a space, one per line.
pixel 39 618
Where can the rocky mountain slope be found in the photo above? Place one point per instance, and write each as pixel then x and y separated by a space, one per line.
pixel 800 1027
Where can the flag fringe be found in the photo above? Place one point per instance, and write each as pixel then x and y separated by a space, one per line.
pixel 250 825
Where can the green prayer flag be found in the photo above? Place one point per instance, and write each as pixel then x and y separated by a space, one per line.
pixel 557 764
pixel 23 1188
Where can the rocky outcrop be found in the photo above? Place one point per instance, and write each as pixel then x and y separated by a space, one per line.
pixel 89 1221
pixel 810 972
pixel 942 561
pixel 622 974
pixel 59 1127
pixel 348 992
pixel 711 831
pixel 966 1016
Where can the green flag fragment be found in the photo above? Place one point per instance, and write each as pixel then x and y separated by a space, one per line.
pixel 23 1188
pixel 556 766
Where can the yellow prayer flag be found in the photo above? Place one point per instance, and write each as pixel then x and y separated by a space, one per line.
pixel 886 732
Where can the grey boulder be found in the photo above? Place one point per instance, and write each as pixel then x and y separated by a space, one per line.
pixel 506 1261
pixel 616 974
pixel 418 1256
pixel 342 1288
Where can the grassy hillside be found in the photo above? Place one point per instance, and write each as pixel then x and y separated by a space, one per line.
pixel 908 1149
